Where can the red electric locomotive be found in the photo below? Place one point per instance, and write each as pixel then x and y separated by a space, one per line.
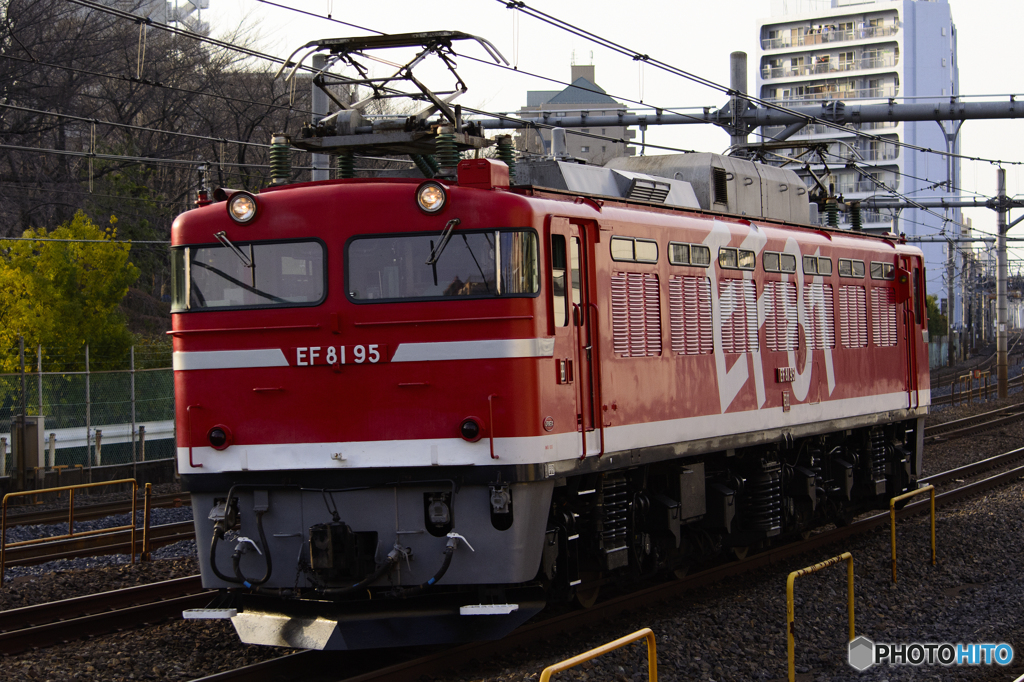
pixel 415 411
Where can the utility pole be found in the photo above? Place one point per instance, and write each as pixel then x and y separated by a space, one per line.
pixel 1000 284
pixel 321 162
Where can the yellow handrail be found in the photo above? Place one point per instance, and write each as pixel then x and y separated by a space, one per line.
pixel 71 518
pixel 790 640
pixel 892 521
pixel 652 655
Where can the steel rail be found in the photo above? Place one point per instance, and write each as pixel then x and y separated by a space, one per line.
pixel 973 468
pixel 93 511
pixel 117 542
pixel 974 424
pixel 41 625
pixel 948 399
pixel 324 665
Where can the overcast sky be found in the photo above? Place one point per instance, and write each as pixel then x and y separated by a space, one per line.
pixel 695 36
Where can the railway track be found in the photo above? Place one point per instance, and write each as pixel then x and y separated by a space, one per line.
pixel 43 625
pixel 117 542
pixel 324 666
pixel 977 393
pixel 94 511
pixel 973 424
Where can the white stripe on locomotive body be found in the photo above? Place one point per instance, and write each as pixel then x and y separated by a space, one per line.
pixel 228 359
pixel 488 349
pixel 475 350
pixel 525 450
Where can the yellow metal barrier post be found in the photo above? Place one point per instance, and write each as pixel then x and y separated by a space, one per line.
pixel 790 639
pixel 652 655
pixel 145 524
pixel 71 519
pixel 892 521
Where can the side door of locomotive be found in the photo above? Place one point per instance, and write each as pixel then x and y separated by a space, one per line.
pixel 909 277
pixel 576 325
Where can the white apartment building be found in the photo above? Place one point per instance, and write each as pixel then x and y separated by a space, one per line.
pixel 870 52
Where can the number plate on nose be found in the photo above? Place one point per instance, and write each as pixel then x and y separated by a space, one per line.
pixel 360 354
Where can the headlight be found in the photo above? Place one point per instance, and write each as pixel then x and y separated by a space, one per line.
pixel 431 197
pixel 242 207
pixel 470 429
pixel 219 437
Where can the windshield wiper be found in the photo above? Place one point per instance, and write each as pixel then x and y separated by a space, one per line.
pixel 446 235
pixel 483 277
pixel 435 251
pixel 222 237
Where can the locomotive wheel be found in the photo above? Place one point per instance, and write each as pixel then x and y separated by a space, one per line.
pixel 740 553
pixel 682 571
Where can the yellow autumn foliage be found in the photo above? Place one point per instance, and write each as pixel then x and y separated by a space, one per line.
pixel 64 295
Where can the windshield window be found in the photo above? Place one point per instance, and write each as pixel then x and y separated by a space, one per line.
pixel 257 275
pixel 481 264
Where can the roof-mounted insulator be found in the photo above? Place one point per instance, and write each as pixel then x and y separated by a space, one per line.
pixel 447 153
pixel 280 159
pixel 832 212
pixel 855 221
pixel 346 165
pixel 507 153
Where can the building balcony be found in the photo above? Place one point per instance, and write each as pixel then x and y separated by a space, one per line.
pixel 827 92
pixel 817 129
pixel 830 66
pixel 825 36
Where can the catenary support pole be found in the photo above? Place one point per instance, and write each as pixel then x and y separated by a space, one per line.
pixel 1001 275
pixel 88 418
pixel 737 102
pixel 19 456
pixel 39 378
pixel 950 272
pixel 321 162
pixel 135 458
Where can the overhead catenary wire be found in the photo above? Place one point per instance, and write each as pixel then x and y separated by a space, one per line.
pixel 642 58
pixel 669 68
pixel 549 19
pixel 153 84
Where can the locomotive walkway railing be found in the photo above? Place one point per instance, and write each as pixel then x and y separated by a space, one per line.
pixel 790 626
pixel 892 521
pixel 652 655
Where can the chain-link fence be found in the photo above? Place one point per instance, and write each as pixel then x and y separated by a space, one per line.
pixel 91 418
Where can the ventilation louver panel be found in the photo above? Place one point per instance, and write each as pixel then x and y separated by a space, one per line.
pixel 737 299
pixel 689 300
pixel 780 316
pixel 720 186
pixel 853 316
pixel 883 318
pixel 820 316
pixel 636 314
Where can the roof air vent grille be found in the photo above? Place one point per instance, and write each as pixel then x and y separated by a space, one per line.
pixel 721 185
pixel 648 190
